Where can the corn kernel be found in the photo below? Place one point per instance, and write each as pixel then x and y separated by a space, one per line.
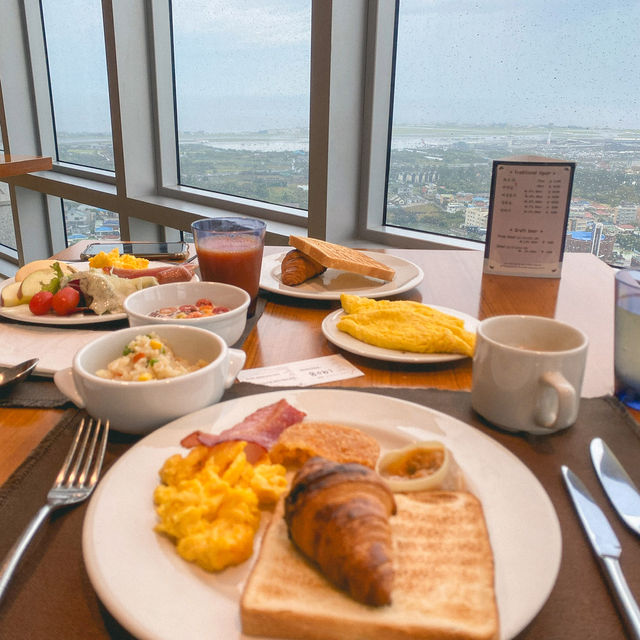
pixel 155 344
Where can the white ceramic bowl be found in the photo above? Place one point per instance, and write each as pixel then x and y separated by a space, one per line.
pixel 228 326
pixel 141 407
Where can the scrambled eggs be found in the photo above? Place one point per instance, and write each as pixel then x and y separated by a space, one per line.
pixel 209 502
pixel 404 325
pixel 114 259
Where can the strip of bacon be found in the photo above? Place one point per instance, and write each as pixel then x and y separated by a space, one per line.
pixel 164 274
pixel 263 427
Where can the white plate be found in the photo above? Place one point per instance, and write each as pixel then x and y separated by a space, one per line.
pixel 353 345
pixel 330 284
pixel 155 594
pixel 21 312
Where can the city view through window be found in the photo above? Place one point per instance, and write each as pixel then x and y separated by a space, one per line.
pixel 482 81
pixel 241 77
pixel 440 179
pixel 454 112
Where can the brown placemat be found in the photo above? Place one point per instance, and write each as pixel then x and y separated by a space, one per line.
pixel 43 394
pixel 51 596
pixel 37 394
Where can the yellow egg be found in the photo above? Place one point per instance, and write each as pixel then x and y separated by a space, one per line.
pixel 114 259
pixel 208 502
pixel 404 325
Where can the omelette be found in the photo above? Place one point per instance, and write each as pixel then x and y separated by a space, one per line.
pixel 404 325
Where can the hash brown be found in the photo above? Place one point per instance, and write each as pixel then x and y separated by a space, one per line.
pixel 335 442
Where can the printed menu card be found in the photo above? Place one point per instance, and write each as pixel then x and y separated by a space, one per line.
pixel 528 213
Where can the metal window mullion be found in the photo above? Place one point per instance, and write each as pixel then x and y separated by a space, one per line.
pixel 44 129
pixel 377 112
pixel 337 71
pixel 129 69
pixel 377 138
pixel 162 70
pixel 51 207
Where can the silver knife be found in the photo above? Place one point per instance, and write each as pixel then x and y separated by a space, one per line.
pixel 619 487
pixel 606 546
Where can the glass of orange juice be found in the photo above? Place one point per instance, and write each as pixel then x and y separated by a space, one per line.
pixel 230 251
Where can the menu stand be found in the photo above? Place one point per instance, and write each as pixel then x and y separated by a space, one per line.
pixel 528 214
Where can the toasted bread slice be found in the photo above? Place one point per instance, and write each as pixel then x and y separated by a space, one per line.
pixel 443 586
pixel 335 442
pixel 336 256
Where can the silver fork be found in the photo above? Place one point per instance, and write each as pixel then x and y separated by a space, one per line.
pixel 74 483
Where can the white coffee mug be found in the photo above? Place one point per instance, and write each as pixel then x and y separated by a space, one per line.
pixel 527 373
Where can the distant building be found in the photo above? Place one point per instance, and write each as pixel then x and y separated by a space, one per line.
pixel 578 223
pixel 595 240
pixel 626 214
pixel 579 206
pixel 476 217
pixel 591 242
pixel 579 241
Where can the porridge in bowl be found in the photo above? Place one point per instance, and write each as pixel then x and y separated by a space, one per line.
pixel 148 357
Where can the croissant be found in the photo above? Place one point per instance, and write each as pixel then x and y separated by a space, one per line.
pixel 297 267
pixel 338 517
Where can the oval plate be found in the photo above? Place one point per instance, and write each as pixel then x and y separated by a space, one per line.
pixel 330 284
pixel 353 345
pixel 21 312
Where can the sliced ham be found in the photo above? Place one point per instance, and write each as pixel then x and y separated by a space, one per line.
pixel 164 274
pixel 263 427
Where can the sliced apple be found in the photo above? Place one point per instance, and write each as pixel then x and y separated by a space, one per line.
pixel 34 283
pixel 10 297
pixel 37 265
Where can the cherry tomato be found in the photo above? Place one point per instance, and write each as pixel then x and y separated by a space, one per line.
pixel 41 303
pixel 66 301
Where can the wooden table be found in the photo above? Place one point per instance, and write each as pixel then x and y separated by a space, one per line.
pixel 290 330
pixel 580 605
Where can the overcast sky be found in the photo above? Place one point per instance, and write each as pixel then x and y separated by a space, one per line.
pixel 244 64
pixel 569 62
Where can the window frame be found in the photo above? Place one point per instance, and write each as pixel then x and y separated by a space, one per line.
pixel 351 72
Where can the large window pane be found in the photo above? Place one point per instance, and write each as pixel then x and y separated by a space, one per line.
pixel 482 81
pixel 78 76
pixel 7 233
pixel 83 221
pixel 242 97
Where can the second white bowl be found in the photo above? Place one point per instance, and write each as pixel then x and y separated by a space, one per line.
pixel 229 325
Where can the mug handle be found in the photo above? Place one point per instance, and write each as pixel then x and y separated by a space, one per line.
pixel 565 411
pixel 237 358
pixel 65 383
